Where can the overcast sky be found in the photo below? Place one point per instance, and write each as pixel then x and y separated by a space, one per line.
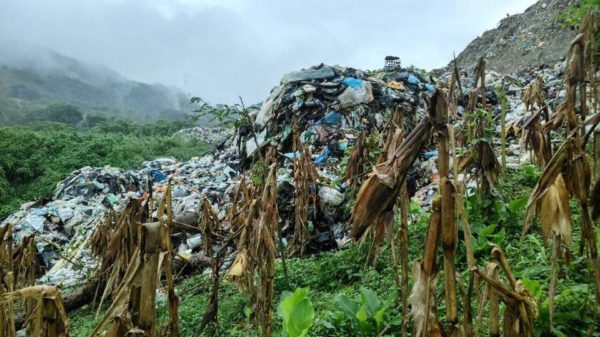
pixel 227 48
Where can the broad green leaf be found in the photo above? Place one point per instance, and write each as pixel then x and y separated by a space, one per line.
pixel 301 319
pixel 487 230
pixel 558 333
pixel 533 286
pixel 348 306
pixel 378 317
pixel 288 301
pixel 370 301
pixel 361 315
pixel 517 204
pixel 500 236
pixel 297 313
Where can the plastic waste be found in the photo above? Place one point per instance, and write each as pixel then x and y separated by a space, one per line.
pixel 322 242
pixel 431 154
pixel 333 117
pixel 352 82
pixel 36 222
pixel 292 155
pixel 251 143
pixel 353 96
pixel 157 175
pixel 330 197
pixel 343 145
pixel 395 85
pixel 323 157
pixel 321 73
pixel 412 79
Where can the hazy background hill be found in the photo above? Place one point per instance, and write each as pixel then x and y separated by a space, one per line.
pixel 33 78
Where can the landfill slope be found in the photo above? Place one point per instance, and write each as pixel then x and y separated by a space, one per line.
pixel 331 110
pixel 328 108
pixel 529 39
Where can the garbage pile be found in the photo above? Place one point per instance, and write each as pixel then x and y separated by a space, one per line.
pixel 514 86
pixel 214 135
pixel 63 226
pixel 332 107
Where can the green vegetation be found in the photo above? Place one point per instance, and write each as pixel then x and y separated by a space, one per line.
pixel 297 313
pixel 367 314
pixel 35 157
pixel 341 274
pixel 575 14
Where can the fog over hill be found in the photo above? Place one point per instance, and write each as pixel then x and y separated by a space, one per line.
pixel 32 77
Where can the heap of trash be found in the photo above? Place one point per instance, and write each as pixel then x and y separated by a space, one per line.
pixel 63 226
pixel 328 108
pixel 214 135
pixel 332 106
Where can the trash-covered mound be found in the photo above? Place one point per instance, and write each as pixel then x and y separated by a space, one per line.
pixel 332 105
pixel 330 115
pixel 63 226
pixel 214 135
pixel 329 109
pixel 524 92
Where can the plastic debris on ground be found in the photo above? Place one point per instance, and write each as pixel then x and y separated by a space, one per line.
pixel 333 106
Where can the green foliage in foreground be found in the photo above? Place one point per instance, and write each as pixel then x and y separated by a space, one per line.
pixel 367 313
pixel 297 312
pixel 341 274
pixel 34 158
pixel 577 11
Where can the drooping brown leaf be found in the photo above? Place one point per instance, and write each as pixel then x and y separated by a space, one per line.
pixel 380 191
pixel 534 94
pixel 48 317
pixel 305 176
pixel 209 225
pixel 554 212
pixel 520 312
pixel 422 300
pixel 535 138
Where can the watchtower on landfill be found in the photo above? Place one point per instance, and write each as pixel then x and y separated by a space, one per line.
pixel 391 63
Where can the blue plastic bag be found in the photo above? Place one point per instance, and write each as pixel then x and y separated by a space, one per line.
pixel 333 117
pixel 157 175
pixel 412 79
pixel 430 87
pixel 352 82
pixel 292 155
pixel 431 154
pixel 323 157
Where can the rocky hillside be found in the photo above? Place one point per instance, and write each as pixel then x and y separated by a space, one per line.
pixel 529 39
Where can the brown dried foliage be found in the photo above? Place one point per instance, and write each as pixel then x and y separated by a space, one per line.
pixel 521 309
pixel 305 175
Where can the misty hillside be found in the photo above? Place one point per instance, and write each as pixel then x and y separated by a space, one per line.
pixel 32 78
